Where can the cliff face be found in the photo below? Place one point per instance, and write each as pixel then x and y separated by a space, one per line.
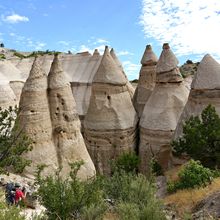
pixel 110 123
pixel 162 111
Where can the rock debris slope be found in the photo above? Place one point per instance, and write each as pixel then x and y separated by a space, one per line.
pixel 147 79
pixel 110 123
pixel 162 111
pixel 67 137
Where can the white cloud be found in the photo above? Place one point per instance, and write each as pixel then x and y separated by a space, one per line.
pixel 101 41
pixel 131 69
pixel 124 53
pixel 15 18
pixel 39 46
pixel 190 26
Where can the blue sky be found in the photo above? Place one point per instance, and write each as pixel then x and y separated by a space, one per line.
pixel 191 27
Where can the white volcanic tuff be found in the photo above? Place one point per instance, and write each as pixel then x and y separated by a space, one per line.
pixel 108 72
pixel 7 96
pixel 118 63
pixel 161 114
pixel 149 56
pixel 65 123
pixel 34 119
pixel 147 79
pixel 110 123
pixel 208 74
pixel 205 90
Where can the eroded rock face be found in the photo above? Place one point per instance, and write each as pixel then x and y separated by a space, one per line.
pixel 34 120
pixel 147 79
pixel 205 90
pixel 161 112
pixel 67 137
pixel 110 123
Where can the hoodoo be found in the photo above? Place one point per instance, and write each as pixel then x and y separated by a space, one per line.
pixel 205 90
pixel 162 111
pixel 147 79
pixel 67 137
pixel 34 119
pixel 110 123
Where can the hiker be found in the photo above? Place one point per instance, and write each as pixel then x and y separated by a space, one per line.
pixel 10 193
pixel 19 194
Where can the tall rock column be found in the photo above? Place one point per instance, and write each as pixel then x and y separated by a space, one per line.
pixel 67 137
pixel 34 120
pixel 205 90
pixel 162 111
pixel 110 123
pixel 147 79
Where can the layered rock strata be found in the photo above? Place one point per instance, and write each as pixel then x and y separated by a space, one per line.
pixel 162 111
pixel 205 90
pixel 147 79
pixel 67 137
pixel 110 123
pixel 34 120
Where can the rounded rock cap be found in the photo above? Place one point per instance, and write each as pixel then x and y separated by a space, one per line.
pixel 149 57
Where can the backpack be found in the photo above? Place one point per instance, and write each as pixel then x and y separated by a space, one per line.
pixel 10 193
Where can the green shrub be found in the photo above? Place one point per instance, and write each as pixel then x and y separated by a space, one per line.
pixel 201 138
pixel 70 198
pixel 127 162
pixel 133 196
pixel 21 56
pixel 192 175
pixel 2 57
pixel 156 168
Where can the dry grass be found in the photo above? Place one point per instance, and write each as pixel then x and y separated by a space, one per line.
pixel 172 174
pixel 184 200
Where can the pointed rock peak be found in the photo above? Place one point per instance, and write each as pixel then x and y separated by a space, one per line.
pixel 36 69
pixel 149 57
pixel 96 53
pixel 167 60
pixel 115 58
pixel 208 74
pixel 57 78
pixel 109 71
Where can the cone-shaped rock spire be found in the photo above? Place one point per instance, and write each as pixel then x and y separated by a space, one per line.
pixel 147 79
pixel 118 63
pixel 205 90
pixel 34 119
pixel 108 72
pixel 161 113
pixel 208 74
pixel 96 53
pixel 110 123
pixel 65 123
pixel 167 70
pixel 149 57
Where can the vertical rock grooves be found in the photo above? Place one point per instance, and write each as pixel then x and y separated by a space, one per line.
pixel 65 123
pixel 34 118
pixel 162 111
pixel 110 123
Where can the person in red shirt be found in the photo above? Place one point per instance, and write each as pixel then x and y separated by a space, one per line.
pixel 19 195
